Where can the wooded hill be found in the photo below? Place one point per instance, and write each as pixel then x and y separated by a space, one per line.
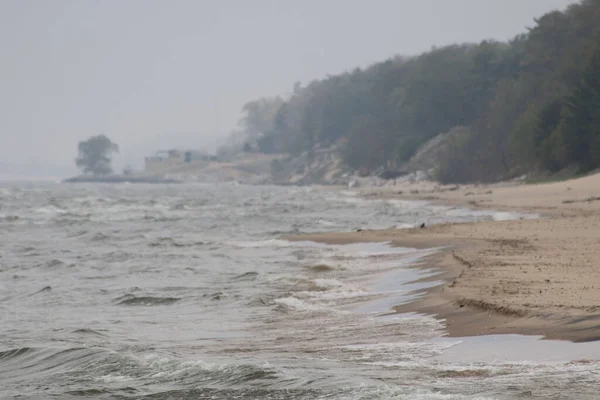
pixel 531 104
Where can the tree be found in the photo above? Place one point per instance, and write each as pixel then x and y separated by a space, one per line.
pixel 95 155
pixel 529 103
pixel 259 116
pixel 581 117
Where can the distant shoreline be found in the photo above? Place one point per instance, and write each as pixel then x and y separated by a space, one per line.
pixel 119 179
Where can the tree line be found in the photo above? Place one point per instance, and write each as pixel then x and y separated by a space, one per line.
pixel 529 104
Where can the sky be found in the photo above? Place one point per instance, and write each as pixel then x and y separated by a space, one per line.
pixel 155 74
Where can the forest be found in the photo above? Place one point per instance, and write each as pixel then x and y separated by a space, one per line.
pixel 531 104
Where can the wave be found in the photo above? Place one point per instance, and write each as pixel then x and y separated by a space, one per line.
pixel 42 290
pixel 88 331
pixel 217 296
pixel 97 371
pixel 161 218
pixel 131 300
pixel 99 237
pixel 304 283
pixel 8 354
pixel 248 276
pixel 288 304
pixel 55 263
pixel 364 392
pixel 170 242
pixel 321 268
pixel 77 234
pixel 50 210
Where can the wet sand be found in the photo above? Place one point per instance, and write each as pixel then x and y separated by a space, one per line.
pixel 536 277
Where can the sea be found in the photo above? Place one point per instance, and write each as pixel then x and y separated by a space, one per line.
pixel 189 292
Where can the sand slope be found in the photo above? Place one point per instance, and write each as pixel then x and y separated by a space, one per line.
pixel 537 277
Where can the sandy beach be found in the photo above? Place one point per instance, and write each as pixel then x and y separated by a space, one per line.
pixel 535 277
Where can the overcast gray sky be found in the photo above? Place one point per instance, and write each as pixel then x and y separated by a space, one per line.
pixel 162 73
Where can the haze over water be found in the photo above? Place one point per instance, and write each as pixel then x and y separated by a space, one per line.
pixel 187 292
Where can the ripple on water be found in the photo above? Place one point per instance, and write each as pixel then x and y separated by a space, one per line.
pixel 224 309
pixel 131 300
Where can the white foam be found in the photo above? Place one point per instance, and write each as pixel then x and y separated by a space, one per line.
pixel 511 216
pixel 325 222
pixel 404 393
pixel 294 303
pixel 166 367
pixel 366 249
pixel 113 378
pixel 318 285
pixel 294 279
pixel 405 226
pixel 50 210
pixel 274 243
pixel 329 283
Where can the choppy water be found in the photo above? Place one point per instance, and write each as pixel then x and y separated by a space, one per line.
pixel 186 292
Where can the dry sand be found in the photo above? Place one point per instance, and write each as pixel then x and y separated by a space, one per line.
pixel 538 277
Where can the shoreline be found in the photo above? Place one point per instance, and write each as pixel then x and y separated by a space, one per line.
pixel 528 276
